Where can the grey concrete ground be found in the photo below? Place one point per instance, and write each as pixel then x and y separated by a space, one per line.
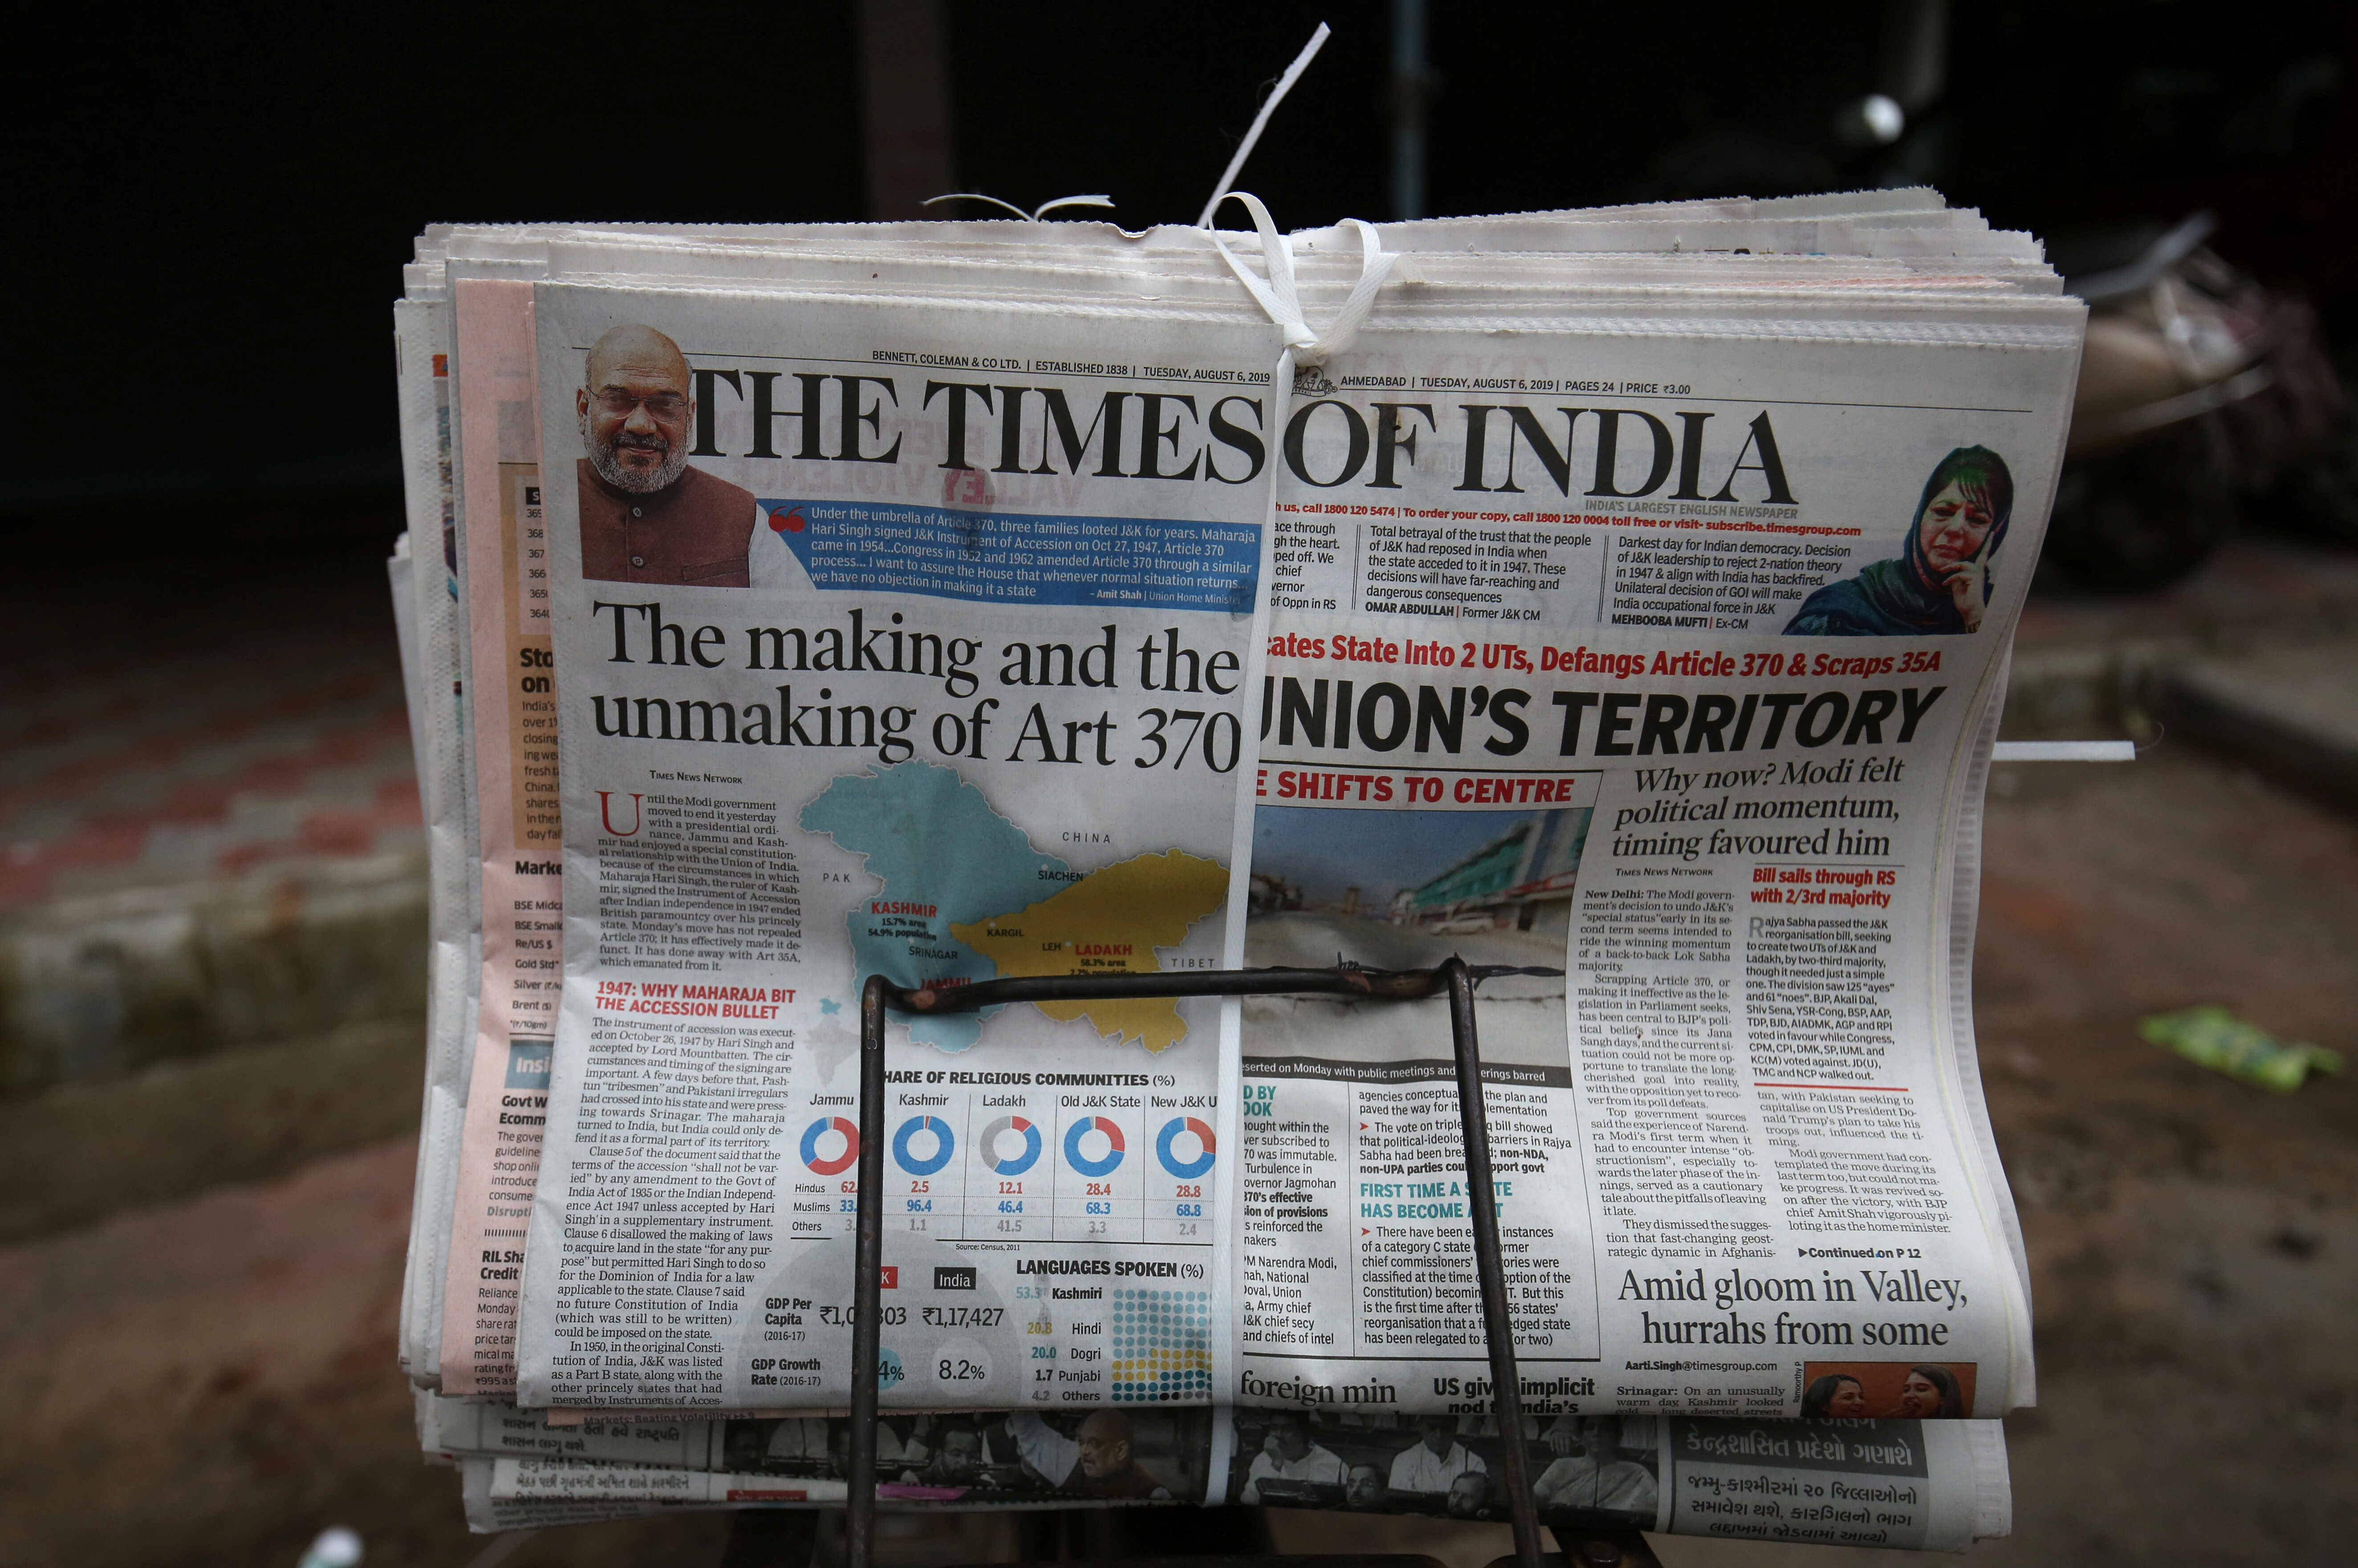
pixel 198 1258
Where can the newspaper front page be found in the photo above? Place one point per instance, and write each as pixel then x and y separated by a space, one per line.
pixel 477 1234
pixel 1739 1149
pixel 1648 663
pixel 848 691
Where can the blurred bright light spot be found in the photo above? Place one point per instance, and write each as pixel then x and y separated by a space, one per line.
pixel 1874 120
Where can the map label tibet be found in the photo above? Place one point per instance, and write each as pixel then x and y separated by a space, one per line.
pixel 1110 922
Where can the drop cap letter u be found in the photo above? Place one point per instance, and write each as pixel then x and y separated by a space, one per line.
pixel 606 814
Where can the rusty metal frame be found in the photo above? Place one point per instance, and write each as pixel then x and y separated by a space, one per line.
pixel 1456 979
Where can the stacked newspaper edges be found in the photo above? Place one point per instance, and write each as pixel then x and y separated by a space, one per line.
pixel 1620 598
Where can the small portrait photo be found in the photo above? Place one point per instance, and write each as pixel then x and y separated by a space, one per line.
pixel 1427 1470
pixel 646 515
pixel 1148 1455
pixel 1909 1390
pixel 1293 1464
pixel 1603 1469
pixel 1941 583
pixel 796 1445
pixel 1132 1456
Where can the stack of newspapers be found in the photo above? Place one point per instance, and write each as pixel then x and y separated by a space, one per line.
pixel 1618 598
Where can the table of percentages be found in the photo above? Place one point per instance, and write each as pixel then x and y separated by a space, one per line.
pixel 1031 1165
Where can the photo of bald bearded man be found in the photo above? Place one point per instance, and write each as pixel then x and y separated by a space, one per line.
pixel 646 516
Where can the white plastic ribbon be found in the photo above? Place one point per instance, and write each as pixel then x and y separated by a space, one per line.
pixel 1282 300
pixel 1034 216
pixel 1278 296
pixel 1261 120
pixel 2063 751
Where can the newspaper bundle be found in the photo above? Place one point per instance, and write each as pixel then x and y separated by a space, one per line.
pixel 1619 600
pixel 1938 1486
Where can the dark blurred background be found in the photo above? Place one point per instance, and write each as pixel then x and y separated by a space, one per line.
pixel 213 200
pixel 212 869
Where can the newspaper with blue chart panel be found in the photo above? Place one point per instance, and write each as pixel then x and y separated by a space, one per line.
pixel 844 695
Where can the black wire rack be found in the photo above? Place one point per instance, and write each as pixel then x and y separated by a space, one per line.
pixel 1455 978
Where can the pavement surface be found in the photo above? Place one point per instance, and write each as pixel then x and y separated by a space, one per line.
pixel 209 822
pixel 201 1233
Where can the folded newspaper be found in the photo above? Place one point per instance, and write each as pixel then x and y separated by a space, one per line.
pixel 1619 600
pixel 1897 1483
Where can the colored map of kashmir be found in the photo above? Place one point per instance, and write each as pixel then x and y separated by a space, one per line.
pixel 964 896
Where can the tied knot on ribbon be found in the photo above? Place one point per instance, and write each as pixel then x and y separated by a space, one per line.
pixel 1279 294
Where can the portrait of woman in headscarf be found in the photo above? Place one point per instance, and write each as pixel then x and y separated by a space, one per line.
pixel 1940 584
pixel 1837 1394
pixel 1931 1392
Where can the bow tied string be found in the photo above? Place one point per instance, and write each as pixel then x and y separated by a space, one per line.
pixel 1278 296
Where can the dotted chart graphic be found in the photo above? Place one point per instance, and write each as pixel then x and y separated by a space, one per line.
pixel 1162 1346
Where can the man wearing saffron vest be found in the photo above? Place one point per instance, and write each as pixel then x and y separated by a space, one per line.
pixel 646 516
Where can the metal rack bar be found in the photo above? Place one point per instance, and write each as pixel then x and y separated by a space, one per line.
pixel 867 1276
pixel 1490 1260
pixel 1457 978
